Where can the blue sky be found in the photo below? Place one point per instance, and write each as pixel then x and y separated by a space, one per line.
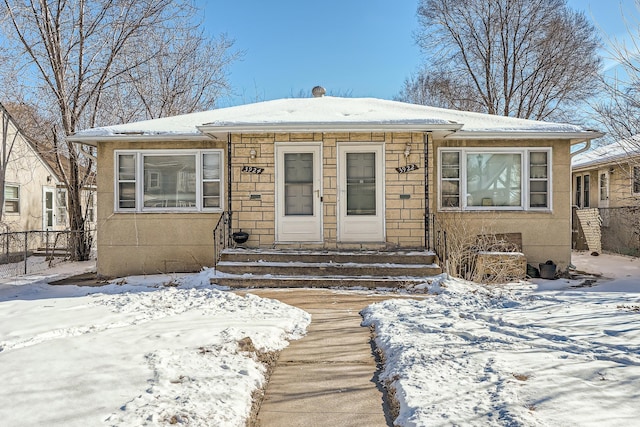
pixel 359 48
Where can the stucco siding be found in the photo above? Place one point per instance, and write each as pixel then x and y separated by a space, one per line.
pixel 150 243
pixel 155 243
pixel 546 235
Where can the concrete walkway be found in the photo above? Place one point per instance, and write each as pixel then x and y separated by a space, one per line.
pixel 328 378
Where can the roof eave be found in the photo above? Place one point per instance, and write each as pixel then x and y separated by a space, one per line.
pixel 585 166
pixel 605 161
pixel 594 164
pixel 449 130
pixel 95 139
pixel 575 137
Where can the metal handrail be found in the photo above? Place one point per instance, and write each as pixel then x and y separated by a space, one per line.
pixel 437 241
pixel 220 237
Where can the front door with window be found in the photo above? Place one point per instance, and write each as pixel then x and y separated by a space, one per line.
pixel 360 193
pixel 48 208
pixel 603 187
pixel 298 193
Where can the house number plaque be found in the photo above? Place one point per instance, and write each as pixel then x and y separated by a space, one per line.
pixel 408 168
pixel 252 169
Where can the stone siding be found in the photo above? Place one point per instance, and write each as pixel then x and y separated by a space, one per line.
pixel 404 192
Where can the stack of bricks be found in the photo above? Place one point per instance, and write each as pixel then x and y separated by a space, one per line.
pixel 590 222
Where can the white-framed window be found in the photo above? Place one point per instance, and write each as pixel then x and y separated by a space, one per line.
pixel 61 206
pixel 91 212
pixel 603 188
pixel 586 191
pixel 635 185
pixel 582 187
pixel 495 179
pixel 175 180
pixel 11 199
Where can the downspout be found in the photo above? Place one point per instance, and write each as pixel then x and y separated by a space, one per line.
pixel 427 244
pixel 229 175
pixel 587 145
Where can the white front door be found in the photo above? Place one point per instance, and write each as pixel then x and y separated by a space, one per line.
pixel 361 193
pixel 298 192
pixel 603 189
pixel 48 208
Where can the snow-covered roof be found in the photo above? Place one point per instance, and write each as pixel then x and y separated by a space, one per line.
pixel 611 153
pixel 332 113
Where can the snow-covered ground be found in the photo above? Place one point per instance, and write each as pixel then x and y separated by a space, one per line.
pixel 541 353
pixel 151 351
pixel 158 350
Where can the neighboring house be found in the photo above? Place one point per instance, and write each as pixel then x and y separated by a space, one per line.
pixel 607 178
pixel 327 173
pixel 35 196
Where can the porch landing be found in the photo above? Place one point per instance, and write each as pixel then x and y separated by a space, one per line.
pixel 288 268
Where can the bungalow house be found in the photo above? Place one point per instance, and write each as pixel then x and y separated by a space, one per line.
pixel 327 173
pixel 606 184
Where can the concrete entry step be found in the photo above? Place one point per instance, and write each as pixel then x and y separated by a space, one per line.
pixel 328 269
pixel 299 268
pixel 310 256
pixel 316 282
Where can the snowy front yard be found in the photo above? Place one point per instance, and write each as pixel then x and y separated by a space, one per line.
pixel 539 354
pixel 160 350
pixel 135 354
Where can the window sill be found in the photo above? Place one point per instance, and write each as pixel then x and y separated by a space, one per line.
pixel 171 211
pixel 496 209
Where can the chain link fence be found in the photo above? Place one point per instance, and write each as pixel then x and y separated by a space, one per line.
pixel 26 252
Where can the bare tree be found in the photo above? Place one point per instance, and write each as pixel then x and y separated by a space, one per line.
pixel 619 109
pixel 438 89
pixel 188 73
pixel 618 106
pixel 78 59
pixel 32 124
pixel 523 58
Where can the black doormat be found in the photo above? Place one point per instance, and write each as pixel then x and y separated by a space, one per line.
pixel 84 279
